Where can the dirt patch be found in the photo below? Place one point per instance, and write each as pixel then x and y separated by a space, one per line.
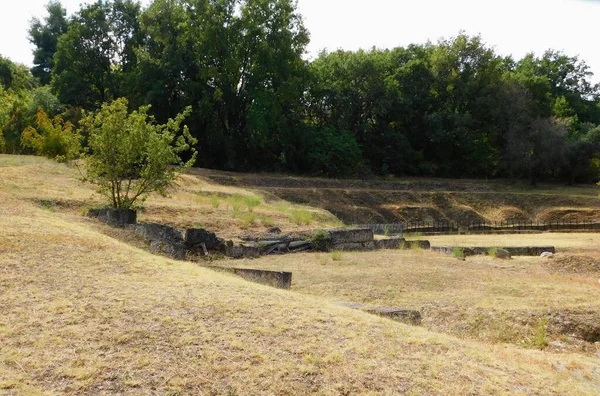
pixel 574 264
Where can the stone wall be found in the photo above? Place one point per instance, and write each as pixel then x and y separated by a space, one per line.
pixel 513 250
pixel 114 217
pixel 278 279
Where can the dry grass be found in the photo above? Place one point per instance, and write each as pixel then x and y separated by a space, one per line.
pixel 481 298
pixel 84 313
pixel 194 202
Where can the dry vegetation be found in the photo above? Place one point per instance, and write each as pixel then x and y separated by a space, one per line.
pixel 85 313
pixel 195 202
pixel 397 200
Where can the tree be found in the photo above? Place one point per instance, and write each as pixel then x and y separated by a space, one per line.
pixel 54 138
pixel 16 99
pixel 96 51
pixel 130 156
pixel 44 36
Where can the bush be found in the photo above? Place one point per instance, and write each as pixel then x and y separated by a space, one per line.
pixel 54 138
pixel 301 217
pixel 130 156
pixel 320 240
pixel 333 153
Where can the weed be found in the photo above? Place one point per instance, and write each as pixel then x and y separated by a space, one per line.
pixel 458 253
pixel 248 219
pixel 301 217
pixel 267 221
pixel 492 251
pixel 336 256
pixel 386 230
pixel 215 201
pixel 541 335
pixel 251 201
pixel 320 240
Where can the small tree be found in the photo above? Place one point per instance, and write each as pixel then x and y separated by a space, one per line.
pixel 53 138
pixel 131 156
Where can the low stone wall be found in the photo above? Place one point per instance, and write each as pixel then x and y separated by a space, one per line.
pixel 512 250
pixel 392 243
pixel 354 235
pixel 246 250
pixel 278 279
pixel 163 239
pixel 407 316
pixel 114 217
pixel 421 244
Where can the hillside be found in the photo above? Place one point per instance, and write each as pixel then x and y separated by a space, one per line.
pixel 86 312
pixel 413 199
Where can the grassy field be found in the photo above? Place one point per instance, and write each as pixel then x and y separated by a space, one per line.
pixel 85 312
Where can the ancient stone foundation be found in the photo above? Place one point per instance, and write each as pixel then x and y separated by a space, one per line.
pixel 407 316
pixel 163 239
pixel 278 279
pixel 114 217
pixel 512 250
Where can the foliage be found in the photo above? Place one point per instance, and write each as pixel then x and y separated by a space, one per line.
pixel 131 155
pixel 53 138
pixel 458 253
pixel 301 217
pixel 93 54
pixel 44 36
pixel 333 153
pixel 454 108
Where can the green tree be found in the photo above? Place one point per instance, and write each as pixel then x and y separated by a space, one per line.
pixel 44 36
pixel 130 156
pixel 16 100
pixel 95 53
pixel 53 138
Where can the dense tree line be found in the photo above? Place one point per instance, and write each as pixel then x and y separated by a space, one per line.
pixel 454 108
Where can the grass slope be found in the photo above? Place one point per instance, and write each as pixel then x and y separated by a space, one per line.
pixel 414 199
pixel 84 313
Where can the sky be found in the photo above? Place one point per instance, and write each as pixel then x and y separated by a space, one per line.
pixel 512 27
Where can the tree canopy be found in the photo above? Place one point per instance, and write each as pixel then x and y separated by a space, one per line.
pixel 454 108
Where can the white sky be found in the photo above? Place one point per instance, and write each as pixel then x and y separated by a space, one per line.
pixel 511 26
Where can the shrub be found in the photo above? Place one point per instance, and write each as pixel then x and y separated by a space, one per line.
pixel 458 253
pixel 336 256
pixel 130 156
pixel 53 138
pixel 301 217
pixel 320 240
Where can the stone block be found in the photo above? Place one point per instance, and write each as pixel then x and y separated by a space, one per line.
pixel 114 217
pixel 407 316
pixel 393 243
pixel 176 251
pixel 502 254
pixel 246 250
pixel 195 237
pixel 159 232
pixel 356 246
pixel 358 235
pixel 278 279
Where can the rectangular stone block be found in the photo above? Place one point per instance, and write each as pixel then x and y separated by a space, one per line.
pixel 393 243
pixel 358 235
pixel 278 279
pixel 407 316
